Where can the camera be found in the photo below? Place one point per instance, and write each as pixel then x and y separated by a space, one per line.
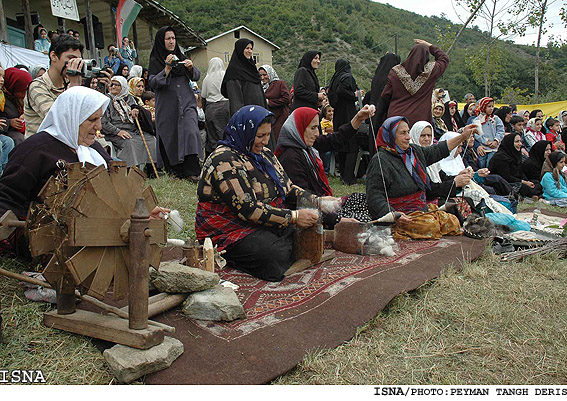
pixel 89 70
pixel 174 60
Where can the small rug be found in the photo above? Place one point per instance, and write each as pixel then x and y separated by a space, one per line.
pixel 321 307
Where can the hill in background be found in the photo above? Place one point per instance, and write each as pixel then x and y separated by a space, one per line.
pixel 362 31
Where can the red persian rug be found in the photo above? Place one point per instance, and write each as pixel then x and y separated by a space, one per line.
pixel 320 307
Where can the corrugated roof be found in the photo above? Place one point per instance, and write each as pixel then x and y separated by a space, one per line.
pixel 236 29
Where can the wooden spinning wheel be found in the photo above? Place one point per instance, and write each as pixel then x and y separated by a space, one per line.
pixel 83 221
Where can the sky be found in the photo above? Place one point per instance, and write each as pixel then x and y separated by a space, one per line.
pixel 436 7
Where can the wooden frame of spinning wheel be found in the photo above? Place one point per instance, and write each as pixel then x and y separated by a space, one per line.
pixel 96 224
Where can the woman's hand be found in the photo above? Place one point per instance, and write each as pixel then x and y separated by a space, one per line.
pixel 525 152
pixel 159 213
pixel 135 113
pixel 493 144
pixel 421 42
pixel 366 112
pixel 168 61
pixel 17 123
pixel 320 96
pixel 559 145
pixel 124 135
pixel 481 151
pixel 405 219
pixel 329 204
pixel 483 172
pixel 3 123
pixel 462 180
pixel 528 183
pixel 188 64
pixel 307 217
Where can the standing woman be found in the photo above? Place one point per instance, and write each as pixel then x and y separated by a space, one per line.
pixel 342 96
pixel 241 84
pixel 306 89
pixel 277 97
pixel 217 110
pixel 411 83
pixel 379 80
pixel 177 129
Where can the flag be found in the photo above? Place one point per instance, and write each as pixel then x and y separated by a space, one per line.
pixel 126 14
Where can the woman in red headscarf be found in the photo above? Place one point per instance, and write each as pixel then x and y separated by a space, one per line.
pixel 16 84
pixel 299 146
pixel 410 83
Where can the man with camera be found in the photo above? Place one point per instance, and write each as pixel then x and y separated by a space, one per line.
pixel 114 58
pixel 66 69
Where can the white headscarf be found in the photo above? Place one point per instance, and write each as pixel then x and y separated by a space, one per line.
pixel 452 165
pixel 135 71
pixel 68 112
pixel 272 75
pixel 415 133
pixel 212 82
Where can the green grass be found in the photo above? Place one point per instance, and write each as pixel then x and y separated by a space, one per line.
pixel 487 323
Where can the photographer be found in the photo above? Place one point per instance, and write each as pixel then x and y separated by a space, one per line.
pixel 114 58
pixel 65 53
pixel 179 140
pixel 128 52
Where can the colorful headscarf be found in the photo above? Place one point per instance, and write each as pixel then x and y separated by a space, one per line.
pixel 386 139
pixel 292 135
pixel 439 120
pixel 240 133
pixel 132 83
pixel 480 110
pixel 16 80
pixel 272 75
pixel 119 101
pixel 531 126
pixel 550 166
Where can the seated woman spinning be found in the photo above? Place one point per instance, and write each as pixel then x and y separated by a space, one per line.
pixel 300 145
pixel 67 133
pixel 396 179
pixel 244 199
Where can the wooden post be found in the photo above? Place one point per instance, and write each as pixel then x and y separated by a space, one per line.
pixel 61 24
pixel 3 28
pixel 209 254
pixel 28 23
pixel 152 39
pixel 65 287
pixel 113 19
pixel 135 38
pixel 90 30
pixel 139 276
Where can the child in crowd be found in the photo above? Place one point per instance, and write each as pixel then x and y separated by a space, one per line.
pixel 533 133
pixel 149 99
pixel 553 179
pixel 518 127
pixel 326 117
pixel 554 134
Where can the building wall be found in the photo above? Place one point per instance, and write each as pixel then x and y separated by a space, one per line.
pixel 99 8
pixel 224 46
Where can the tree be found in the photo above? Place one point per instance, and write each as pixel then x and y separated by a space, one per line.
pixel 475 5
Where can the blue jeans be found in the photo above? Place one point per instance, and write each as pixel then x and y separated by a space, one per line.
pixel 6 145
pixel 484 160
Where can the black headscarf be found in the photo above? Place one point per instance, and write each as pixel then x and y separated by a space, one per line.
pixel 537 152
pixel 120 68
pixel 465 117
pixel 240 68
pixel 159 54
pixel 508 150
pixel 380 78
pixel 447 116
pixel 502 112
pixel 305 62
pixel 342 75
pixel 418 57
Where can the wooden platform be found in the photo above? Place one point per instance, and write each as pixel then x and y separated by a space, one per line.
pixel 104 327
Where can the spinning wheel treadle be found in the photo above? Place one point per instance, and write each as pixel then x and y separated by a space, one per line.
pixel 83 221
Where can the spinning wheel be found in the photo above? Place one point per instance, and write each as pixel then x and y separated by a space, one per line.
pixel 83 221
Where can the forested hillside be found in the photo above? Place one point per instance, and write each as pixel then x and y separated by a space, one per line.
pixel 362 31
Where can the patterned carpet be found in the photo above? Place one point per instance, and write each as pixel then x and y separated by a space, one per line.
pixel 320 307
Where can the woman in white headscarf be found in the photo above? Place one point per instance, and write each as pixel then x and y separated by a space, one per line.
pixel 67 133
pixel 120 128
pixel 135 72
pixel 217 107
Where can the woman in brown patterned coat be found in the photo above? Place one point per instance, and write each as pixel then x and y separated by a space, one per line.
pixel 246 199
pixel 411 83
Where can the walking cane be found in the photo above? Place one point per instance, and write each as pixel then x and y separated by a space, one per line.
pixel 146 145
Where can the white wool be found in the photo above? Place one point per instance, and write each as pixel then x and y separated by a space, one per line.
pixel 174 218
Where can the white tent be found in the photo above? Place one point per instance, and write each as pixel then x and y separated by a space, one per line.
pixel 13 55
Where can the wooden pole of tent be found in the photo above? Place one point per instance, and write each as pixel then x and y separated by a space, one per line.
pixel 28 23
pixel 135 38
pixel 3 28
pixel 90 30
pixel 113 19
pixel 61 24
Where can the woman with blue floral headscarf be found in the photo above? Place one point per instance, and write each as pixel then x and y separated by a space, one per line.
pixel 396 179
pixel 246 199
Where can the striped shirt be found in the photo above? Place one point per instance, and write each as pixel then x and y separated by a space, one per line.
pixel 39 99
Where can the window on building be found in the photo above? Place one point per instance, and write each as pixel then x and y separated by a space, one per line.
pixel 256 57
pixel 237 34
pixel 226 57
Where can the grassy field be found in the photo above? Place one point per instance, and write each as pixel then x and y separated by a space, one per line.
pixel 486 322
